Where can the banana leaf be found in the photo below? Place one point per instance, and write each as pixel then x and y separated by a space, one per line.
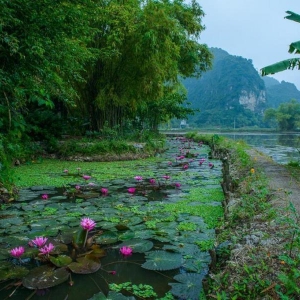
pixel 292 16
pixel 295 47
pixel 281 66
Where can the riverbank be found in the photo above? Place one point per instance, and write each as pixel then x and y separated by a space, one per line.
pixel 258 251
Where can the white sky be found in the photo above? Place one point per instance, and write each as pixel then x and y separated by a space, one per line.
pixel 253 29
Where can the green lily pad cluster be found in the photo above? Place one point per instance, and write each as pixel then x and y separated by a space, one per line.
pixel 164 223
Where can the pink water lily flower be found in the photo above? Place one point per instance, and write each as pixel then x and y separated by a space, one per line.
pixel 104 191
pixel 166 177
pixel 201 161
pixel 77 187
pixel 86 177
pixel 177 185
pixel 17 252
pixel 186 166
pixel 87 224
pixel 45 196
pixel 138 178
pixel 47 249
pixel 39 241
pixel 211 165
pixel 152 181
pixel 126 251
pixel 66 171
pixel 131 190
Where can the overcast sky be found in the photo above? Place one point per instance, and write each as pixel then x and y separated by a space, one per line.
pixel 253 29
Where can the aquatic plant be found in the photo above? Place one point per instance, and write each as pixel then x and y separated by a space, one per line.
pixel 45 196
pixel 87 224
pixel 126 251
pixel 152 181
pixel 177 185
pixel 39 241
pixel 47 249
pixel 17 252
pixel 138 178
pixel 104 191
pixel 131 190
pixel 86 177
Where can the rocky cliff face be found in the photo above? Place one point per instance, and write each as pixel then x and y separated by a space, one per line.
pixel 253 100
pixel 232 90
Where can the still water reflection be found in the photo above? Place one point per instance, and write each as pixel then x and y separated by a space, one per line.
pixel 281 147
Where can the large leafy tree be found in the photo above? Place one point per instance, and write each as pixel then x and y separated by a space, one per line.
pixel 144 47
pixel 287 115
pixel 290 63
pixel 43 53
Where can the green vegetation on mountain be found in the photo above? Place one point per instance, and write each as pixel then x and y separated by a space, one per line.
pixel 234 94
pixel 278 93
pixel 220 92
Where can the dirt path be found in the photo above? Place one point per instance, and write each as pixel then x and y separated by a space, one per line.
pixel 285 187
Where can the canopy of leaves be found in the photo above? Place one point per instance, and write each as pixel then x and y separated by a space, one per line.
pixel 294 48
pixel 287 115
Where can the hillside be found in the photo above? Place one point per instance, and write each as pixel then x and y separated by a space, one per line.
pixel 233 93
pixel 278 93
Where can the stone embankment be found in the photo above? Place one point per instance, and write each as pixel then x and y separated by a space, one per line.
pixel 260 240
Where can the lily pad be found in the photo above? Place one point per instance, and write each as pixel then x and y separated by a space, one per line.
pixel 138 245
pixel 128 235
pixel 110 296
pixel 84 265
pixel 189 286
pixel 161 260
pixel 61 260
pixel 108 237
pixel 11 271
pixel 45 277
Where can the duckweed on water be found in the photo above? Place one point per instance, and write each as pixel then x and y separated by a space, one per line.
pixel 166 222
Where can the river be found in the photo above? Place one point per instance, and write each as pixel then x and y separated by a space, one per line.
pixel 282 148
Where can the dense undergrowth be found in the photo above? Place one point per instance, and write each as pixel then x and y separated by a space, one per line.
pixel 268 269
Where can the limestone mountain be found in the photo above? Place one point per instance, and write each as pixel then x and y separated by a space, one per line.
pixel 233 93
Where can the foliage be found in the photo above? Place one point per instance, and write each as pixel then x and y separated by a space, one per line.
pixel 287 115
pixel 143 50
pixel 38 43
pixel 141 290
pixel 280 92
pixel 129 56
pixel 293 48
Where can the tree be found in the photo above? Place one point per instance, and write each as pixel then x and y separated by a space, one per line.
pixel 44 47
pixel 294 48
pixel 287 115
pixel 144 47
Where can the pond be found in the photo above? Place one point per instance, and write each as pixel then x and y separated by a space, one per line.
pixel 281 147
pixel 144 237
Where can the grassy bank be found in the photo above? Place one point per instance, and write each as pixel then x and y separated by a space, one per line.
pixel 257 250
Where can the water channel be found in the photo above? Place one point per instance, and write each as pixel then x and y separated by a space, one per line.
pixel 282 148
pixel 168 223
